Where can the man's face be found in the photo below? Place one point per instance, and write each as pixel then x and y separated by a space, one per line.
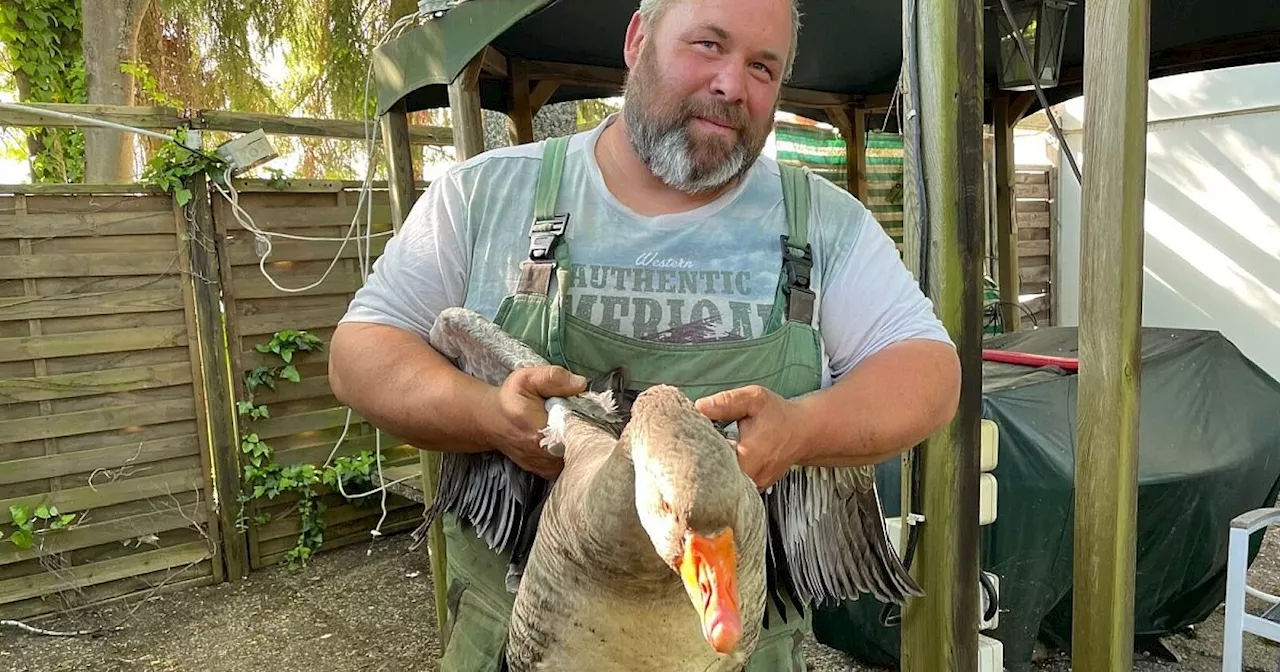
pixel 703 88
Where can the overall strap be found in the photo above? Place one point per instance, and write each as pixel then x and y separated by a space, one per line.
pixel 797 254
pixel 548 256
pixel 547 227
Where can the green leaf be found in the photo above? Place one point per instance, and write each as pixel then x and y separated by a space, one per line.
pixel 23 539
pixel 42 512
pixel 287 355
pixel 19 514
pixel 183 195
pixel 67 518
pixel 290 373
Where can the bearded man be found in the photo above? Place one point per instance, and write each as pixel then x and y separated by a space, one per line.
pixel 664 241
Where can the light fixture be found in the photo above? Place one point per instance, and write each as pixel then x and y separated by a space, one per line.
pixel 1042 25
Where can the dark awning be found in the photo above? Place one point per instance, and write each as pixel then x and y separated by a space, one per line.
pixel 851 48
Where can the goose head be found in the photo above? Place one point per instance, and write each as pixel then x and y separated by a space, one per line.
pixel 689 487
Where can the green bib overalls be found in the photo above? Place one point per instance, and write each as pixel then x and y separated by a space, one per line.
pixel 787 359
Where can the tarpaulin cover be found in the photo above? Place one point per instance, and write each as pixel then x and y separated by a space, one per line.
pixel 1209 449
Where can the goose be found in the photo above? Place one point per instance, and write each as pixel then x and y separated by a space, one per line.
pixel 652 549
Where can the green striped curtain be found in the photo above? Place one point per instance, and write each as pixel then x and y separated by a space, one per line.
pixel 823 151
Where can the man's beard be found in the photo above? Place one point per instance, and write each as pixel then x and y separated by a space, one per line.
pixel 660 135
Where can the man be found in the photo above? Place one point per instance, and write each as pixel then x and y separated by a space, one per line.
pixel 671 253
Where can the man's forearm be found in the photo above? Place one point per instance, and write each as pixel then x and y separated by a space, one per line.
pixel 888 403
pixel 401 385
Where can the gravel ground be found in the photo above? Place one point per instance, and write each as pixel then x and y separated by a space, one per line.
pixel 370 609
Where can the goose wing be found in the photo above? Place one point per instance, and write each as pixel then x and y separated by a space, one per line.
pixel 828 541
pixel 501 501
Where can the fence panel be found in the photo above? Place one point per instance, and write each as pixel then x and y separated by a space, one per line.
pixel 1033 194
pixel 101 412
pixel 305 422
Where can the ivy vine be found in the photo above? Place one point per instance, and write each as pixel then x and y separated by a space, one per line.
pixel 42 49
pixel 266 479
pixel 29 525
pixel 174 162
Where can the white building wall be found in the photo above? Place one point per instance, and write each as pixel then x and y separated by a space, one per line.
pixel 1212 247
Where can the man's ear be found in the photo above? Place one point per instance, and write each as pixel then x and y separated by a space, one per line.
pixel 634 42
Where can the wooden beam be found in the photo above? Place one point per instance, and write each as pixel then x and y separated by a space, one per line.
pixel 1117 33
pixel 940 630
pixel 167 118
pixel 521 106
pixel 214 386
pixel 594 75
pixel 400 191
pixel 464 108
pixel 541 94
pixel 856 154
pixel 245 122
pixel 493 63
pixel 1006 216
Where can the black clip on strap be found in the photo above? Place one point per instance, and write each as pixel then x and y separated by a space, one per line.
pixel 798 269
pixel 543 236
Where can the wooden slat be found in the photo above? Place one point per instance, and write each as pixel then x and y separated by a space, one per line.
pixel 74 500
pixel 105 303
pixel 338 282
pixel 1033 248
pixel 303 422
pixel 1025 190
pixel 111 457
pixel 1028 220
pixel 90 343
pixel 94 382
pixel 262 324
pixel 83 265
pixel 1031 176
pixel 43 583
pixel 242 250
pixel 102 419
pixel 1034 274
pixel 167 517
pixel 273 219
pixel 40 226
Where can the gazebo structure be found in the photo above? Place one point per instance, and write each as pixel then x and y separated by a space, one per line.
pixel 952 66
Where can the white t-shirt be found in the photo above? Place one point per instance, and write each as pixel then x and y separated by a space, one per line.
pixel 706 274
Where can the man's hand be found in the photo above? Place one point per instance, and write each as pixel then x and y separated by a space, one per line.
pixel 770 428
pixel 515 413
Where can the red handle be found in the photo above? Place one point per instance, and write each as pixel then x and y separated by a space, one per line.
pixel 1028 359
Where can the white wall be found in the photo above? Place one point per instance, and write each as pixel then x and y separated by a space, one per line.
pixel 1212 250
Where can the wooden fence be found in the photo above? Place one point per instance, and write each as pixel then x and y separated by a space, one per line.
pixel 1037 258
pixel 102 415
pixel 115 401
pixel 306 420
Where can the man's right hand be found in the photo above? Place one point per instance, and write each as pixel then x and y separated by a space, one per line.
pixel 515 413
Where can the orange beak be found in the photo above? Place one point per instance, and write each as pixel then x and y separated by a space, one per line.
pixel 709 570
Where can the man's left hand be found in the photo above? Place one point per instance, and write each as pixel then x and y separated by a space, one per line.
pixel 770 429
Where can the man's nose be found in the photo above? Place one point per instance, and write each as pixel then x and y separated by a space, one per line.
pixel 730 83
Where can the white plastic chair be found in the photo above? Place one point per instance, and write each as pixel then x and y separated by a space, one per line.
pixel 1238 621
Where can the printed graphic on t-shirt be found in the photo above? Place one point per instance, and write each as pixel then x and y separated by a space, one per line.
pixel 668 300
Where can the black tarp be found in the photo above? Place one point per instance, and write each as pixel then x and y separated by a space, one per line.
pixel 1209 449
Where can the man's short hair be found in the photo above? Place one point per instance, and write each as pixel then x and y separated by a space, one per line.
pixel 652 10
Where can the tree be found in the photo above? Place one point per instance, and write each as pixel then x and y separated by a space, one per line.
pixel 110 39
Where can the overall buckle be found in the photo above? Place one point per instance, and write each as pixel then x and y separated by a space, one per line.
pixel 799 271
pixel 544 234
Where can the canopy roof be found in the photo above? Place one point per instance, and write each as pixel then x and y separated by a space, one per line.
pixel 851 51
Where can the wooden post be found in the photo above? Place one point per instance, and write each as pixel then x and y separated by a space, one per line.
pixel 521 103
pixel 400 188
pixel 214 383
pixel 1006 216
pixel 940 630
pixel 395 137
pixel 856 153
pixel 464 110
pixel 1111 239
